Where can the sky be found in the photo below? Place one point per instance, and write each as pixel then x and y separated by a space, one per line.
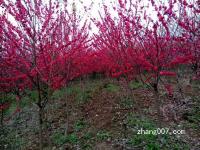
pixel 93 12
pixel 95 7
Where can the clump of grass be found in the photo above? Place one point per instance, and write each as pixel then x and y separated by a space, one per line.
pixel 10 139
pixel 127 103
pixel 103 135
pixel 82 94
pixel 79 125
pixel 112 87
pixel 60 139
pixel 136 84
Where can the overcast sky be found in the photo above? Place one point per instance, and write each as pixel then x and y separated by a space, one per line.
pixel 96 7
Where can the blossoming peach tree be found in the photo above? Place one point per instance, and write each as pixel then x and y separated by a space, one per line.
pixel 42 44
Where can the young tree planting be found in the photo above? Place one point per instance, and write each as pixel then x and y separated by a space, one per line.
pixel 42 45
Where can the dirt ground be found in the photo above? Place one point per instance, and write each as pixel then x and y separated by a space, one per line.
pixel 107 119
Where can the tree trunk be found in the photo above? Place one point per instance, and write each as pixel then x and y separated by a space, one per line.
pixel 178 83
pixel 67 121
pixel 40 128
pixel 2 117
pixel 2 113
pixel 66 115
pixel 158 105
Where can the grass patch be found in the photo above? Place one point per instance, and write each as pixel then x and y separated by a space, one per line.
pixel 137 122
pixel 81 94
pixel 26 101
pixel 32 95
pixel 79 125
pixel 136 84
pixel 87 141
pixel 192 116
pixel 9 139
pixel 196 84
pixel 103 135
pixel 60 139
pixel 112 87
pixel 150 138
pixel 127 103
pixel 11 109
pixel 59 94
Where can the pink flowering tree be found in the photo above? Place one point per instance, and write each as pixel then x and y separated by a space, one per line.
pixel 41 47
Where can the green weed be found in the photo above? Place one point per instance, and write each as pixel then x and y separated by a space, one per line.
pixel 79 125
pixel 127 103
pixel 103 135
pixel 112 88
pixel 136 84
pixel 60 139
